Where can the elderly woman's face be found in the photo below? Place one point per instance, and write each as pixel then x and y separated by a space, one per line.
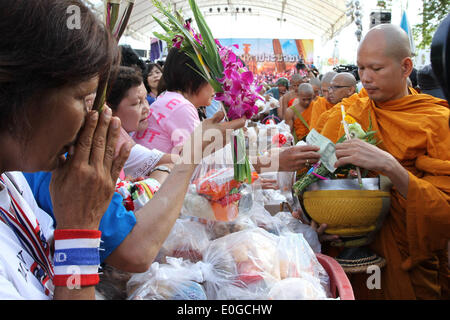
pixel 57 125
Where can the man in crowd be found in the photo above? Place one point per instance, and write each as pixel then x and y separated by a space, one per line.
pixel 298 115
pixel 322 104
pixel 287 100
pixel 414 153
pixel 342 86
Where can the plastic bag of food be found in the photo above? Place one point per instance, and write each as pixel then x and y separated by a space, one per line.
pixel 297 259
pixel 218 229
pixel 138 192
pixel 177 280
pixel 302 288
pixel 188 240
pixel 296 226
pixel 263 219
pixel 213 194
pixel 242 265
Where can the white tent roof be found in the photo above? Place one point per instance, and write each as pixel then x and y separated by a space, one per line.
pixel 317 18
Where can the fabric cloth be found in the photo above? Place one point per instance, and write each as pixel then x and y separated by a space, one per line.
pixel 300 129
pixel 17 280
pixel 150 99
pixel 141 161
pixel 413 238
pixel 319 106
pixel 336 110
pixel 171 120
pixel 115 224
pixel 136 194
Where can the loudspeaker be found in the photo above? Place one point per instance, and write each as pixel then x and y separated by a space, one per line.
pixel 379 17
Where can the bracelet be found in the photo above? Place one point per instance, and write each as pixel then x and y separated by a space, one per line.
pixel 76 258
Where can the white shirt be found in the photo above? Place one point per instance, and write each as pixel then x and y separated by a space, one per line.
pixel 141 161
pixel 16 279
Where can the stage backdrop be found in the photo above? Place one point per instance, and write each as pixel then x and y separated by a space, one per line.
pixel 268 56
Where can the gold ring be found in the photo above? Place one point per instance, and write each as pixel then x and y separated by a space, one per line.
pixel 307 163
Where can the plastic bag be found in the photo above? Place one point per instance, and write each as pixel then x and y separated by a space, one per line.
pixel 303 288
pixel 213 194
pixel 137 193
pixel 113 283
pixel 177 280
pixel 242 265
pixel 296 226
pixel 188 240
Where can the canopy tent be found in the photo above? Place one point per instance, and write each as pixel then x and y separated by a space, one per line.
pixel 318 18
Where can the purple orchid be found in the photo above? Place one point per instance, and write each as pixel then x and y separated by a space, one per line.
pixel 240 91
pixel 177 41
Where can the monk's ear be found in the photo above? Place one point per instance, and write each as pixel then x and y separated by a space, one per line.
pixel 407 66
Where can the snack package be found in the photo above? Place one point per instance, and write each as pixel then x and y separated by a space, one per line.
pixel 296 226
pixel 138 192
pixel 188 240
pixel 213 194
pixel 177 280
pixel 218 229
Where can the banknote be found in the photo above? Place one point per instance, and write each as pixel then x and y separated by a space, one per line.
pixel 327 149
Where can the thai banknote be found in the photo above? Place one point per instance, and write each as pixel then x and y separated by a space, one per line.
pixel 327 149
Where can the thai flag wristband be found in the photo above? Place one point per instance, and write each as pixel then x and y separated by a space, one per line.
pixel 76 258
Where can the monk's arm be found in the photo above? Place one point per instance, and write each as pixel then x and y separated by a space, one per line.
pixel 288 118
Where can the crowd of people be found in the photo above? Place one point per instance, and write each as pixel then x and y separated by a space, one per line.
pixel 61 160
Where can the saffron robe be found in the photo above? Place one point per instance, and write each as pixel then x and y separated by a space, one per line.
pixel 413 238
pixel 319 106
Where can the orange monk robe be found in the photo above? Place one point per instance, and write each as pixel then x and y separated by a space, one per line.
pixel 346 102
pixel 299 127
pixel 413 238
pixel 319 106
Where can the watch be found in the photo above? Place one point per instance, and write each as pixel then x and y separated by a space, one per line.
pixel 161 168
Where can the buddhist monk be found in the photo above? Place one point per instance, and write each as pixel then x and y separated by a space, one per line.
pixel 342 86
pixel 322 104
pixel 315 83
pixel 414 154
pixel 298 115
pixel 287 99
pixel 342 91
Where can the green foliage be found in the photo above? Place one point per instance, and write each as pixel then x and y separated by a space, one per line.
pixel 433 12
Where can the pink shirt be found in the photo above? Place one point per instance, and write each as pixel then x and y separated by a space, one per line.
pixel 171 121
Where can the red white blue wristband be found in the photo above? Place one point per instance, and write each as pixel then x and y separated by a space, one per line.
pixel 76 257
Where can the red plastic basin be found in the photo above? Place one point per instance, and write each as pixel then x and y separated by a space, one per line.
pixel 339 284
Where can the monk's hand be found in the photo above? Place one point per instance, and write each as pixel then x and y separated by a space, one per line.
pixel 211 135
pixel 323 237
pixel 83 184
pixel 368 156
pixel 364 155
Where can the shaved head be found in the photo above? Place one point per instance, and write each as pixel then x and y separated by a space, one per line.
pixel 384 63
pixel 305 94
pixel 305 88
pixel 342 86
pixel 327 77
pixel 325 83
pixel 345 78
pixel 391 38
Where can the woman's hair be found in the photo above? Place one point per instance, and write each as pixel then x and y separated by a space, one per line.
pixel 126 78
pixel 149 69
pixel 178 74
pixel 45 45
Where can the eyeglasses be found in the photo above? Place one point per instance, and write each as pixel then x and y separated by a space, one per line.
pixel 337 87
